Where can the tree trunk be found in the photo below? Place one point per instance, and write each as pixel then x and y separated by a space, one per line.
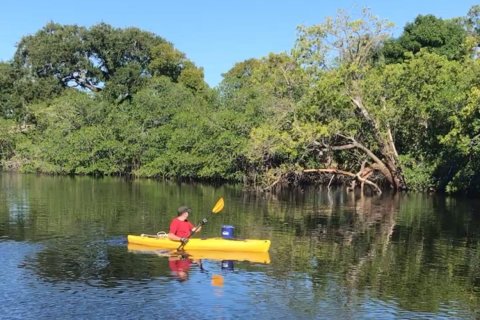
pixel 387 161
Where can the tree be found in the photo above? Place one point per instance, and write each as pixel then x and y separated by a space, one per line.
pixel 87 58
pixel 361 123
pixel 444 37
pixel 117 62
pixel 60 52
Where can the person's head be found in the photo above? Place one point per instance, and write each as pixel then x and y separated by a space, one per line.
pixel 183 211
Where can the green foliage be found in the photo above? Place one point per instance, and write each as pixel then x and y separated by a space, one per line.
pixel 263 94
pixel 418 173
pixel 192 140
pixel 125 83
pixel 444 37
pixel 56 51
pixel 98 58
pixel 7 139
pixel 166 61
pixel 18 90
pixel 462 144
pixel 8 109
pixel 422 93
pixel 192 78
pixel 466 179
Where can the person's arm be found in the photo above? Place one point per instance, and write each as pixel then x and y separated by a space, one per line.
pixel 199 228
pixel 195 229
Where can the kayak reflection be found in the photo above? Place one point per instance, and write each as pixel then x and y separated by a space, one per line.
pixel 254 257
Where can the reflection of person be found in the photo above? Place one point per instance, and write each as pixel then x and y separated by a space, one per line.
pixel 180 266
pixel 180 227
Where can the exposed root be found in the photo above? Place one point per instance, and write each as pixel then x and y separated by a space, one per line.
pixel 361 177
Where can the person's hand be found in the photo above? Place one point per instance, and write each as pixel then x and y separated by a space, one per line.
pixel 184 240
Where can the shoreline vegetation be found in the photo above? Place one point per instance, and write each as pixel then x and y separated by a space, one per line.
pixel 349 104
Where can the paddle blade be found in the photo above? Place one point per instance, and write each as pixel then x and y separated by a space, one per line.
pixel 218 206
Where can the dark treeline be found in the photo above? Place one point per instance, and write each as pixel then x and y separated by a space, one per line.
pixel 348 104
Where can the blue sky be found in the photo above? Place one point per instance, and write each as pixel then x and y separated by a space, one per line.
pixel 214 34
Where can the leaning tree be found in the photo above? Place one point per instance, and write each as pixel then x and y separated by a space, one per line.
pixel 340 57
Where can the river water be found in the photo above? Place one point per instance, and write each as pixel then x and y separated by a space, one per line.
pixel 334 255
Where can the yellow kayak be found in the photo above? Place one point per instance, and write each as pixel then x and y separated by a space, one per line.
pixel 255 257
pixel 209 244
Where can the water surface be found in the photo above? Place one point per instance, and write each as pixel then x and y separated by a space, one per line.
pixel 334 255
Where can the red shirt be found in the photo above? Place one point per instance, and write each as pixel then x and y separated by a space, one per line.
pixel 181 228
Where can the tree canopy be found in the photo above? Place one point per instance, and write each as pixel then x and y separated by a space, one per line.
pixel 444 37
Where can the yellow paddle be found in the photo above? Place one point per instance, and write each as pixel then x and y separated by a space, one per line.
pixel 216 209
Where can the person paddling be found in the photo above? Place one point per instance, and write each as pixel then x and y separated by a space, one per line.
pixel 180 227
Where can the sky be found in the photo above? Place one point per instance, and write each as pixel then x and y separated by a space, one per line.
pixel 214 34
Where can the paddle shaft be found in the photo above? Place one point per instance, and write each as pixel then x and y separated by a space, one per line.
pixel 192 233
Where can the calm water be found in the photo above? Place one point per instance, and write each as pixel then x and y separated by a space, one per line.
pixel 334 255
